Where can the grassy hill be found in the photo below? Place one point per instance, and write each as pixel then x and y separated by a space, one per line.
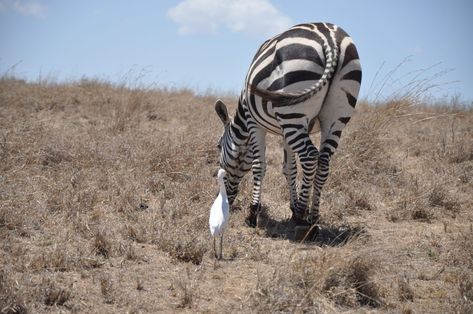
pixel 105 192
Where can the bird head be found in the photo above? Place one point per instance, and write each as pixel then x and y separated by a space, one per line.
pixel 221 174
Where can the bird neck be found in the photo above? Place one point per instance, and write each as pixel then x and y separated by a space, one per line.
pixel 221 185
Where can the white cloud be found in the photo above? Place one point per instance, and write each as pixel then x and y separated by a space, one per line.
pixel 255 17
pixel 27 8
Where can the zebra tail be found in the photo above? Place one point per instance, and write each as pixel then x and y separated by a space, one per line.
pixel 281 99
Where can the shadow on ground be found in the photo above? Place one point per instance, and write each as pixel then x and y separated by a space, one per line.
pixel 327 235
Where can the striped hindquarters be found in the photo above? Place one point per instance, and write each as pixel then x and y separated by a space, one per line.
pixel 295 65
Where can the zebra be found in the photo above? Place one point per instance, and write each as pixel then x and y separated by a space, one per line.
pixel 308 74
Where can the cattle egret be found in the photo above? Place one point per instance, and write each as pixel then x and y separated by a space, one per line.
pixel 219 213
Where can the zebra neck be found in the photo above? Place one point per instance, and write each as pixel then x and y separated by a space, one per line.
pixel 238 127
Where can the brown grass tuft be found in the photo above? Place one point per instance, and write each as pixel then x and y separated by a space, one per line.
pixel 348 283
pixel 465 289
pixel 405 290
pixel 438 197
pixel 190 252
pixel 351 284
pixel 102 246
pixel 107 289
pixel 10 298
pixel 55 295
pixel 186 295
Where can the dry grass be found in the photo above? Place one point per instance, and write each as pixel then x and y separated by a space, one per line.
pixel 105 191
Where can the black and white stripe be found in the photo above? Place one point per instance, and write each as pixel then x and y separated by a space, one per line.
pixel 307 73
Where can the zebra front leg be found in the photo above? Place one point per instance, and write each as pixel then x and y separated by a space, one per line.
pixel 257 150
pixel 290 172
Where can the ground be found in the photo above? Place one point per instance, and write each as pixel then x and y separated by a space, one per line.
pixel 105 193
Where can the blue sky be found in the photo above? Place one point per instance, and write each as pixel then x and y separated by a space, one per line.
pixel 208 44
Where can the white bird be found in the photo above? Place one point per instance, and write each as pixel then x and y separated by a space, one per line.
pixel 219 213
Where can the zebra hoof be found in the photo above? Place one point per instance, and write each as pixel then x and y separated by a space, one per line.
pixel 251 221
pixel 297 216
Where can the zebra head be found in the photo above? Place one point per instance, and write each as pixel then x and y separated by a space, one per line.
pixel 233 147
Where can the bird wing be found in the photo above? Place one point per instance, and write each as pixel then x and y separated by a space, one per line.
pixel 216 218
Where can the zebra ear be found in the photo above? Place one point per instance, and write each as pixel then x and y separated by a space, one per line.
pixel 222 112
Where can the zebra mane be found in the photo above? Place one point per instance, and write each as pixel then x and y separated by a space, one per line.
pixel 281 99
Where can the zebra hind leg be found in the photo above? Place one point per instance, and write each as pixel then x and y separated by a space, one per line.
pixel 331 133
pixel 321 176
pixel 299 142
pixel 290 172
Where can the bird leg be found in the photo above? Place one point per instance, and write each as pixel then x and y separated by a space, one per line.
pixel 221 246
pixel 215 251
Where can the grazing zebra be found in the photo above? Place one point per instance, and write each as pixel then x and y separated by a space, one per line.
pixel 307 74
